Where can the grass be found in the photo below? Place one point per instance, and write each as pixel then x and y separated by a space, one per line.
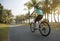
pixel 4 25
pixel 4 32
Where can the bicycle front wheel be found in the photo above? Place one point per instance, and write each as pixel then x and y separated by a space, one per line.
pixel 32 27
pixel 44 28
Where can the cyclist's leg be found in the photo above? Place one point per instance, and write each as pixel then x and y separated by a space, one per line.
pixel 38 18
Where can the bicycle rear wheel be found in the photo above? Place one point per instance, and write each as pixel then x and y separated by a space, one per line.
pixel 44 28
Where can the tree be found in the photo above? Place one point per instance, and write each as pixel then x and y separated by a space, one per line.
pixel 20 18
pixel 1 8
pixel 54 4
pixel 29 6
pixel 5 15
pixel 48 5
pixel 58 15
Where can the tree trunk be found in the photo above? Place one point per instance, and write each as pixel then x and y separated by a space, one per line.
pixel 51 15
pixel 45 16
pixel 29 15
pixel 54 16
pixel 58 15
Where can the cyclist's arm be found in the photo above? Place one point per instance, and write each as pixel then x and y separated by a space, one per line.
pixel 33 12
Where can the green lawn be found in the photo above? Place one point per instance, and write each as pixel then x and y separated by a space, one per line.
pixel 4 25
pixel 4 32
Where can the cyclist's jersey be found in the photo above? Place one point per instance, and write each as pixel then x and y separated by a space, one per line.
pixel 39 11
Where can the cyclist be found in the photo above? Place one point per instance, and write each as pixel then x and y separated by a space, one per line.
pixel 39 11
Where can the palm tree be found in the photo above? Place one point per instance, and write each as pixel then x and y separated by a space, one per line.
pixel 54 4
pixel 47 8
pixel 58 12
pixel 58 15
pixel 49 5
pixel 29 5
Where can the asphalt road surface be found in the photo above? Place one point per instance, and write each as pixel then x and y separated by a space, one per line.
pixel 23 33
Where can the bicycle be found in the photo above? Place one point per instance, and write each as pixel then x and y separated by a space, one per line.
pixel 42 26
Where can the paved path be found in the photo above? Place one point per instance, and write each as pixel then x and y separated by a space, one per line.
pixel 23 33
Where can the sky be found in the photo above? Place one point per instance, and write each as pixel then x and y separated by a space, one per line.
pixel 17 6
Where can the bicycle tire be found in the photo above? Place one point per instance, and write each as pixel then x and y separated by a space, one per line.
pixel 31 28
pixel 48 27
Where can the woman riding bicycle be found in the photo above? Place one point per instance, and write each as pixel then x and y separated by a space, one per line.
pixel 43 27
pixel 39 12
